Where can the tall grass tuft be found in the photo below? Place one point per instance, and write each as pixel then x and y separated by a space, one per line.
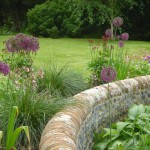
pixel 38 103
pixel 61 81
pixel 34 111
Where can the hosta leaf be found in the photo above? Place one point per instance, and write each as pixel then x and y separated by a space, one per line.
pixel 121 126
pixel 118 145
pixel 135 110
pixel 113 132
pixel 102 145
pixel 130 143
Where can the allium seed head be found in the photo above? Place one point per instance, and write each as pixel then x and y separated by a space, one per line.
pixel 120 44
pixel 125 36
pixel 118 22
pixel 108 32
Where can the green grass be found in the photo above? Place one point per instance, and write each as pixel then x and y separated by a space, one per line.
pixel 74 51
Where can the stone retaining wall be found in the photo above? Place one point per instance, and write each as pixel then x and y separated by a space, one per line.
pixel 73 127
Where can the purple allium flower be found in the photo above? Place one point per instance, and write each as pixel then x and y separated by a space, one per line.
pixel 12 45
pixel 108 74
pixel 108 32
pixel 4 68
pixel 118 22
pixel 124 36
pixel 120 44
pixel 22 42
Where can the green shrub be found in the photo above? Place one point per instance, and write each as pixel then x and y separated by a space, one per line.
pixel 53 32
pixel 46 19
pixel 62 18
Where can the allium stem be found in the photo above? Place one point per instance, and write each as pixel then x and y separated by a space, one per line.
pixel 108 96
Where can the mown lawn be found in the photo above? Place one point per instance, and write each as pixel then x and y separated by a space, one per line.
pixel 74 52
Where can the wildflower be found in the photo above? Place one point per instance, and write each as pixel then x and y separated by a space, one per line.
pixel 105 38
pixel 28 43
pixel 108 74
pixel 108 33
pixel 4 68
pixel 27 69
pixel 40 74
pixel 124 36
pixel 120 44
pixel 12 45
pixel 147 58
pixel 117 22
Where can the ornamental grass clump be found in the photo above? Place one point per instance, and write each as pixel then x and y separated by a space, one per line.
pixel 60 81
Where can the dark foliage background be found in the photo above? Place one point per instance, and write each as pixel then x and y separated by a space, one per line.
pixel 74 18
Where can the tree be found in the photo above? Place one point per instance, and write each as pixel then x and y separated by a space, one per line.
pixel 13 12
pixel 138 19
pixel 109 9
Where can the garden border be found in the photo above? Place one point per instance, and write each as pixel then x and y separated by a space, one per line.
pixel 73 127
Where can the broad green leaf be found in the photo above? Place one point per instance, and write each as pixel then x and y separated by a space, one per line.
pixel 1 135
pixel 118 145
pixel 16 135
pixel 10 128
pixel 135 110
pixel 102 145
pixel 121 126
pixel 113 132
pixel 12 135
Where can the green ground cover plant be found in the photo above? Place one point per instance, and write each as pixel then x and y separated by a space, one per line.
pixel 132 134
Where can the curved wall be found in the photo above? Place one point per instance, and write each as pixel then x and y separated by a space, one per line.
pixel 73 127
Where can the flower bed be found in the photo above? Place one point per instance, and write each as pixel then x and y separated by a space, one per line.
pixel 73 127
